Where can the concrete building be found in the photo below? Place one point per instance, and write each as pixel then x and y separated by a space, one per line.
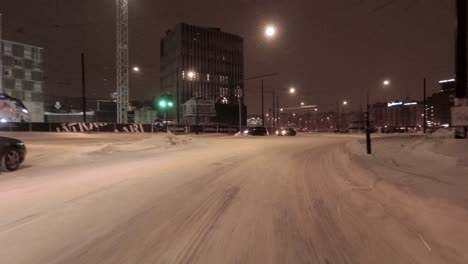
pixel 202 62
pixel 22 76
pixel 439 104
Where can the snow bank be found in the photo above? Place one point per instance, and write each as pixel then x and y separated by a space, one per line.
pixel 49 149
pixel 434 166
pixel 148 143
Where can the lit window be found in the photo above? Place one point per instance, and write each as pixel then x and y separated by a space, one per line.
pixel 208 77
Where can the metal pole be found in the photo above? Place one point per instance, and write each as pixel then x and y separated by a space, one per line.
pixel 177 96
pixel 240 115
pixel 338 116
pixel 368 132
pixel 263 108
pixel 165 117
pixel 83 84
pixel 278 113
pixel 274 106
pixel 196 115
pixel 461 63
pixel 424 111
pixel 271 115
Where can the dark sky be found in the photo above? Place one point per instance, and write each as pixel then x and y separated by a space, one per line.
pixel 329 49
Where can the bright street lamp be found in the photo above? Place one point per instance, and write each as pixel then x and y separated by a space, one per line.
pixel 136 69
pixel 270 31
pixel 386 82
pixel 281 109
pixel 191 74
pixel 345 102
pixel 292 90
pixel 302 103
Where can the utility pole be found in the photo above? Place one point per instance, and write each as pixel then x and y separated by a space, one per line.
pixel 196 115
pixel 122 61
pixel 274 105
pixel 338 116
pixel 240 114
pixel 263 107
pixel 368 130
pixel 278 112
pixel 461 63
pixel 83 85
pixel 424 111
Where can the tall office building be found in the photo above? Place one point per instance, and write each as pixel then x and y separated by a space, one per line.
pixel 23 76
pixel 205 63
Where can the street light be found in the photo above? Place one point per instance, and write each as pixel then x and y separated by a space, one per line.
pixel 345 102
pixel 270 31
pixel 136 69
pixel 302 103
pixel 292 90
pixel 191 74
pixel 386 83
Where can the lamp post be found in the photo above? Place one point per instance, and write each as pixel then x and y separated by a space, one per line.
pixel 338 114
pixel 368 129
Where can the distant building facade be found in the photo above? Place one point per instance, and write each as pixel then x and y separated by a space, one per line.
pixel 407 114
pixel 22 76
pixel 202 62
pixel 439 104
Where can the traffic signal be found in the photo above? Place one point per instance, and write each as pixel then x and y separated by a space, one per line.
pixel 165 102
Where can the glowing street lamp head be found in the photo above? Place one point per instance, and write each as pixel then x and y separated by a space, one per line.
pixel 281 109
pixel 292 90
pixel 302 103
pixel 191 74
pixel 270 31
pixel 386 82
pixel 345 102
pixel 136 69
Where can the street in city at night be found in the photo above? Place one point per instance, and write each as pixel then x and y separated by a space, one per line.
pixel 222 199
pixel 234 132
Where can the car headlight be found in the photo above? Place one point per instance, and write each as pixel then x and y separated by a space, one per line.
pixel 277 132
pixel 246 131
pixel 283 132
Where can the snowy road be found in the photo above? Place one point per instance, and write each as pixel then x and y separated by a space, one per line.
pixel 218 200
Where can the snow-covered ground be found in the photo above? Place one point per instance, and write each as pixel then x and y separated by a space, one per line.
pixel 435 165
pixel 49 149
pixel 121 198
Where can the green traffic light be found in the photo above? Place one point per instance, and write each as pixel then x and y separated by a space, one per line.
pixel 163 104
pixel 170 104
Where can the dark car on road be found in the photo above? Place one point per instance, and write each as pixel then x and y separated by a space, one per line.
pixel 256 131
pixel 289 131
pixel 12 153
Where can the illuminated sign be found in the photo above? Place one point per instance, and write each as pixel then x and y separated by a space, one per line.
pixel 393 104
pixel 446 81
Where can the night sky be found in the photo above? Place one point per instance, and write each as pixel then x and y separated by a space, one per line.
pixel 328 49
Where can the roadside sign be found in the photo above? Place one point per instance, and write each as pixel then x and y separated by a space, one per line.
pixel 460 116
pixel 158 123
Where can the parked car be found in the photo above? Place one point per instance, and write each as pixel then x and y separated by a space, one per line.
pixel 256 131
pixel 12 153
pixel 289 131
